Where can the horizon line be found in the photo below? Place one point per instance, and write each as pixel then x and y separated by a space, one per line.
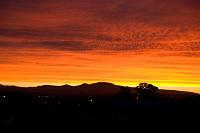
pixel 194 89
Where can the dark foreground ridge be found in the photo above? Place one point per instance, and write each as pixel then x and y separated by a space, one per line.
pixel 99 105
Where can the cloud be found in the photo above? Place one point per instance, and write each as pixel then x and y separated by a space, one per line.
pixel 101 24
pixel 64 45
pixel 108 40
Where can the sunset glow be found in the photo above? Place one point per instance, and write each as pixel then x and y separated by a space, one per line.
pixel 124 42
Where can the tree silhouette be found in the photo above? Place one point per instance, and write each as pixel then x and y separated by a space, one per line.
pixel 146 91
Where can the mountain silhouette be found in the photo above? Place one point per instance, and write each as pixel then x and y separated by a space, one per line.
pixel 93 104
pixel 99 88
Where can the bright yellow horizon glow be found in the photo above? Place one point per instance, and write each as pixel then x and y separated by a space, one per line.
pixel 175 72
pixel 180 87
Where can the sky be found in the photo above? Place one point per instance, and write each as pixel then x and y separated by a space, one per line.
pixel 85 41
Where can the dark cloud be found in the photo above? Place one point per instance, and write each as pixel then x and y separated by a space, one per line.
pixel 56 45
pixel 159 12
pixel 189 3
pixel 65 45
pixel 101 24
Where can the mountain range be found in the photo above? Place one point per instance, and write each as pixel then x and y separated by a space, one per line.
pixel 100 88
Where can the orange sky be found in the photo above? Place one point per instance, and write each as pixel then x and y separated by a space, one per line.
pixel 124 42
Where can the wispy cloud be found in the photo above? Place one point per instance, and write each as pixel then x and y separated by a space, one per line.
pixel 112 40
